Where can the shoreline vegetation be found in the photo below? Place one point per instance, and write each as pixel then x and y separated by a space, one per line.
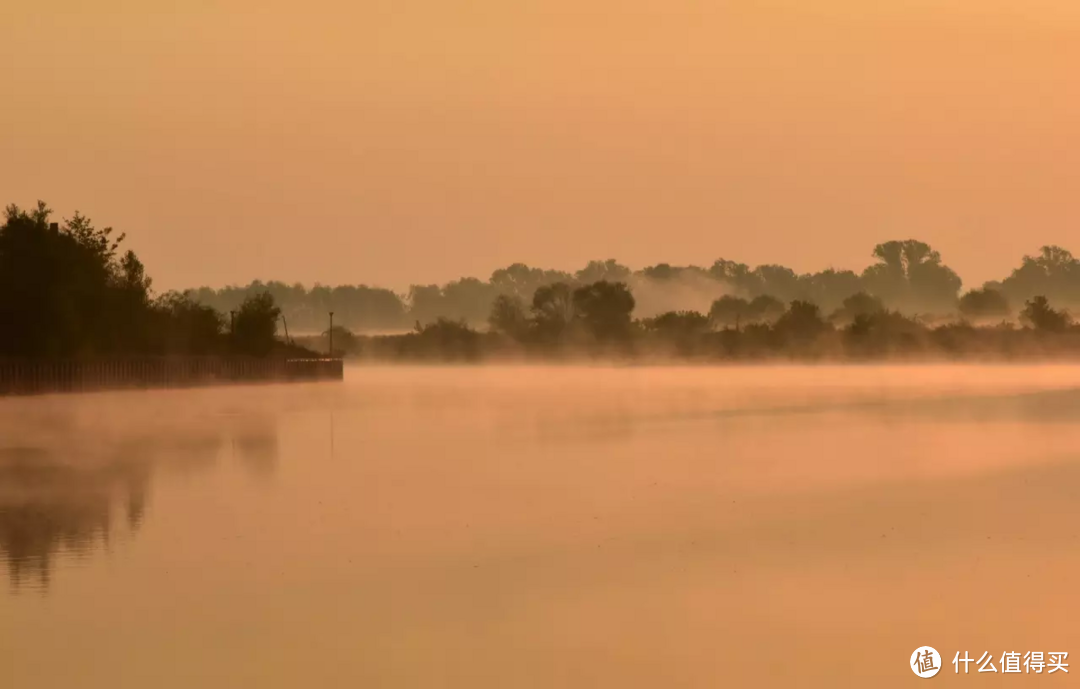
pixel 799 334
pixel 66 292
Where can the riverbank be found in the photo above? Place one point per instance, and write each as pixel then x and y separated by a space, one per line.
pixel 39 377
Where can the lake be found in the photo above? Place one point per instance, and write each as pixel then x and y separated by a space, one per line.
pixel 542 527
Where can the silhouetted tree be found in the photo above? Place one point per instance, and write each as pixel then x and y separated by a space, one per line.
pixel 255 325
pixel 67 291
pixel 345 341
pixel 829 288
pixel 1054 274
pixel 354 306
pixel 450 340
pixel 881 333
pixel 737 275
pixel 64 292
pixel 425 303
pixel 729 311
pixel 508 316
pixel 467 299
pixel 677 323
pixel 680 331
pixel 910 275
pixel 553 310
pixel 777 281
pixel 184 326
pixel 1039 315
pixel 610 270
pixel 859 304
pixel 605 309
pixel 522 281
pixel 802 322
pixel 984 303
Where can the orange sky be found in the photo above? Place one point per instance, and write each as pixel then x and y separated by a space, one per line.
pixel 399 141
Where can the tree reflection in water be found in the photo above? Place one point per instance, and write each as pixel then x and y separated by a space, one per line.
pixel 64 491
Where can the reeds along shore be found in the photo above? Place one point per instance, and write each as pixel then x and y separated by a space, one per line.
pixel 36 377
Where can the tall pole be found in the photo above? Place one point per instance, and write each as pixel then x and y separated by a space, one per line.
pixel 287 338
pixel 331 334
pixel 232 325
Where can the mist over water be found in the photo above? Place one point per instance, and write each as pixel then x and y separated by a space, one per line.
pixel 542 526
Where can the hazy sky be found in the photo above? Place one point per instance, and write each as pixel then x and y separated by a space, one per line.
pixel 399 141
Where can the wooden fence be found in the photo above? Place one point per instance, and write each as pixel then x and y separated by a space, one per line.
pixel 32 377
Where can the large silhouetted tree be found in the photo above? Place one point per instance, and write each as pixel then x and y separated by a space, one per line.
pixel 1039 315
pixel 522 281
pixel 881 332
pixel 985 303
pixel 680 332
pixel 1054 274
pixel 729 311
pixel 184 326
pixel 508 316
pixel 605 309
pixel 858 304
pixel 426 303
pixel 468 300
pixel 64 291
pixel 255 326
pixel 802 322
pixel 553 310
pixel 909 275
pixel 779 282
pixel 738 276
pixel 829 288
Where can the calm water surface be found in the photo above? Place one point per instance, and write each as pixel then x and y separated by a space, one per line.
pixel 542 527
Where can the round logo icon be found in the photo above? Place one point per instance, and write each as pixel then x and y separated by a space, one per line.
pixel 925 662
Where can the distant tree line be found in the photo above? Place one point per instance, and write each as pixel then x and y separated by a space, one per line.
pixel 68 291
pixel 907 276
pixel 596 320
